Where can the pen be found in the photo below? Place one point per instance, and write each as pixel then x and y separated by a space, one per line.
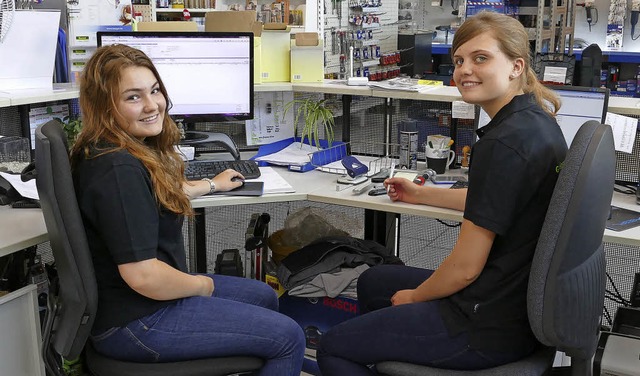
pixel 430 145
pixel 393 166
pixel 450 143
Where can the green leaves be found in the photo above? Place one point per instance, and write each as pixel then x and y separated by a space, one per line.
pixel 71 127
pixel 314 114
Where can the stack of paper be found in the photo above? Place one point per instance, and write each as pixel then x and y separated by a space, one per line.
pixel 406 84
pixel 294 154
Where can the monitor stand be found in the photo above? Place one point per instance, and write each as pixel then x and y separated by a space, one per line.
pixel 221 139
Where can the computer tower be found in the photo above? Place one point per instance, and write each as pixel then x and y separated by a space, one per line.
pixel 415 53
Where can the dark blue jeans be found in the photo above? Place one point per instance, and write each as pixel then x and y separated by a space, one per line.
pixel 241 318
pixel 413 333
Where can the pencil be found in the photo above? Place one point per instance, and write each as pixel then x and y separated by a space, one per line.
pixel 393 166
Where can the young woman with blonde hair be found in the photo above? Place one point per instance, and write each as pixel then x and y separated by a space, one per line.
pixel 471 312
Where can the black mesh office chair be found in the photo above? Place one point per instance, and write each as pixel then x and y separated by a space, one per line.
pixel 567 281
pixel 71 313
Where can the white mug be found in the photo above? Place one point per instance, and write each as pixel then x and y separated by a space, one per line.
pixel 440 154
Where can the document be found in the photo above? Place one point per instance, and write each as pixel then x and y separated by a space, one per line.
pixel 26 189
pixel 269 123
pixel 273 182
pixel 624 131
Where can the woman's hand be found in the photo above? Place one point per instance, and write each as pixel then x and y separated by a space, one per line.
pixel 227 180
pixel 207 285
pixel 401 189
pixel 402 297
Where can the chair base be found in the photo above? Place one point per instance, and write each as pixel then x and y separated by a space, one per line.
pixel 537 364
pixel 102 366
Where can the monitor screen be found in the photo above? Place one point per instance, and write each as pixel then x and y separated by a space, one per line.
pixel 208 75
pixel 577 105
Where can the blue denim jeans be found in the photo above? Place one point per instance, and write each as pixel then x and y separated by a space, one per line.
pixel 412 333
pixel 241 318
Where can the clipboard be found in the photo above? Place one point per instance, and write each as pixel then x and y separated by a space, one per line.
pixel 621 219
pixel 249 188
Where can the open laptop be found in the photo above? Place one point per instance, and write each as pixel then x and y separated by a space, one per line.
pixel 578 104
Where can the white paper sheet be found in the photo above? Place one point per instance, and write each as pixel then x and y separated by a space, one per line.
pixel 624 131
pixel 273 182
pixel 28 51
pixel 26 189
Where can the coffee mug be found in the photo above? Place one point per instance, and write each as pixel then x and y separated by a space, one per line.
pixel 439 159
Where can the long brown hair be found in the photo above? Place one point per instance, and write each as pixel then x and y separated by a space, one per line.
pixel 99 88
pixel 513 41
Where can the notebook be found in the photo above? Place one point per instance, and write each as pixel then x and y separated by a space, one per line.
pixel 249 188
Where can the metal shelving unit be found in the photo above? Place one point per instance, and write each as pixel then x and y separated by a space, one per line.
pixel 555 27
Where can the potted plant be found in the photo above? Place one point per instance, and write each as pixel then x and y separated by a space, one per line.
pixel 316 116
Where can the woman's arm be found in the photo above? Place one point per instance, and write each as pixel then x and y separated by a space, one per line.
pixel 401 189
pixel 463 265
pixel 222 181
pixel 157 280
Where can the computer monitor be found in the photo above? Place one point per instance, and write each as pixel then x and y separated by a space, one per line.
pixel 208 75
pixel 578 104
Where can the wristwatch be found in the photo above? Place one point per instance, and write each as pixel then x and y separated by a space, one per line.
pixel 212 185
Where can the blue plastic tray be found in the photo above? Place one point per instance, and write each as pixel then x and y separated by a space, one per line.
pixel 326 154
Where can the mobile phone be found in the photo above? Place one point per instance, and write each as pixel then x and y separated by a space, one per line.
pixel 378 191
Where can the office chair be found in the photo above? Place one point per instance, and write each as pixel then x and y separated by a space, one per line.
pixel 71 312
pixel 567 280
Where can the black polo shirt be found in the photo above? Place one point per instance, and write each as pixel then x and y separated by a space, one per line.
pixel 513 171
pixel 124 224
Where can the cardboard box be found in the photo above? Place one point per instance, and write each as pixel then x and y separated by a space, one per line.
pixel 239 21
pixel 276 56
pixel 167 26
pixel 307 63
pixel 307 39
pixel 245 20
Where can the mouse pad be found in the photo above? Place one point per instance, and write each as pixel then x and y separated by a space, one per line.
pixel 249 188
pixel 622 219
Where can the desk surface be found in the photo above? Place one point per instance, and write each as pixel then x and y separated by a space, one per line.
pixel 21 228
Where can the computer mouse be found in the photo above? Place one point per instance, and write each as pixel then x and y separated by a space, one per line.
pixel 237 178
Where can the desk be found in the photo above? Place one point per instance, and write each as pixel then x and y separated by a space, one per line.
pixel 20 228
pixel 19 317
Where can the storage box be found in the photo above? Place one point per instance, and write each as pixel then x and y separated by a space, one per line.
pixel 307 63
pixel 233 21
pixel 326 154
pixel 316 316
pixel 307 39
pixel 276 56
pixel 242 21
pixel 167 26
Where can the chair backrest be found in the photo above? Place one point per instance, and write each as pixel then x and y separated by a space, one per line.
pixel 77 298
pixel 567 280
